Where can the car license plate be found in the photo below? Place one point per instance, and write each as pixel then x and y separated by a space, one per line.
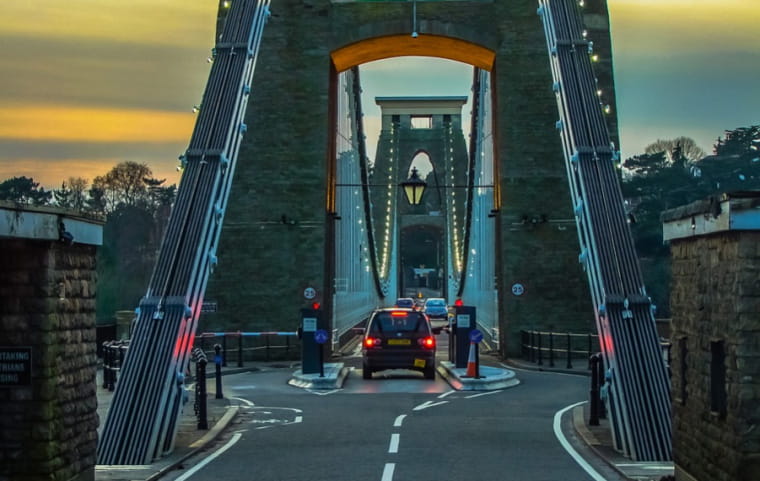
pixel 419 363
pixel 399 342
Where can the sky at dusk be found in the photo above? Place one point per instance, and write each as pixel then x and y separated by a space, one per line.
pixel 86 84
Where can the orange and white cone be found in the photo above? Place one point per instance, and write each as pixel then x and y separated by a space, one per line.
pixel 471 367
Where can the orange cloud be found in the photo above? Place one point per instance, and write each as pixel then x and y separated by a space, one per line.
pixel 62 123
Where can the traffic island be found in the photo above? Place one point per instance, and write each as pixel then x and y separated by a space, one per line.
pixel 489 378
pixel 333 376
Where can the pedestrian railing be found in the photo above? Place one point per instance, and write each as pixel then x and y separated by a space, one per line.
pixel 547 347
pixel 239 347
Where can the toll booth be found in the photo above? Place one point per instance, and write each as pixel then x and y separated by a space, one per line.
pixel 313 323
pixel 465 321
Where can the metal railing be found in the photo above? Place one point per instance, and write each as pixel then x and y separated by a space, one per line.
pixel 239 347
pixel 546 346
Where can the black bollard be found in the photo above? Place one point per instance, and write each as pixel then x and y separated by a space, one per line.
pixel 594 394
pixel 200 391
pixel 218 361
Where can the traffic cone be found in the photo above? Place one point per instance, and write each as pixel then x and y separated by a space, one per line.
pixel 471 367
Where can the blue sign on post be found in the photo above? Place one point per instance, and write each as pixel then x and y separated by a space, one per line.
pixel 320 336
pixel 476 336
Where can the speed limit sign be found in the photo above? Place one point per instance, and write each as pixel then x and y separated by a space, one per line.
pixel 310 293
pixel 518 289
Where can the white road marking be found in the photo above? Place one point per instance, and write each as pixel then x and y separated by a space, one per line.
pixel 393 448
pixel 323 393
pixel 388 472
pixel 483 394
pixel 244 401
pixel 570 450
pixel 298 419
pixel 446 394
pixel 399 420
pixel 427 404
pixel 235 438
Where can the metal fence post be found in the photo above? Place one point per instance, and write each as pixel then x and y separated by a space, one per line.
pixel 540 359
pixel 240 349
pixel 532 348
pixel 224 349
pixel 551 349
pixel 569 351
pixel 267 350
pixel 218 361
pixel 589 351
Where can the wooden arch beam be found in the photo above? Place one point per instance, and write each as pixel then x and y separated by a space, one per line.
pixel 423 45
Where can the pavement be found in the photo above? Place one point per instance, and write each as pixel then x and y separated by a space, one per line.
pixel 221 412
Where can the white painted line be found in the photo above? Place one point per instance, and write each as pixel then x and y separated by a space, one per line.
pixel 427 404
pixel 393 448
pixel 244 401
pixel 323 393
pixel 298 419
pixel 388 472
pixel 570 450
pixel 446 394
pixel 399 420
pixel 483 394
pixel 235 438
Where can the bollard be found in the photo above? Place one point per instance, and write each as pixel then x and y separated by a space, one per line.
pixel 106 366
pixel 200 389
pixel 218 362
pixel 594 393
pixel 569 352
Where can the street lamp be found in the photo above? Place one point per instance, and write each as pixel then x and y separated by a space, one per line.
pixel 414 187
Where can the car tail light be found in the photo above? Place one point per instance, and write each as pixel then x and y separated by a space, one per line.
pixel 372 342
pixel 427 342
pixel 398 313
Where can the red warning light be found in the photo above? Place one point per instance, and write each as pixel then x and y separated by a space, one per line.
pixel 315 306
pixel 458 302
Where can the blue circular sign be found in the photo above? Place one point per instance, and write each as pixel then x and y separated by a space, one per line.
pixel 320 336
pixel 476 336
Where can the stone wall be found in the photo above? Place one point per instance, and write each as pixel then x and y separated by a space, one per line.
pixel 48 429
pixel 715 300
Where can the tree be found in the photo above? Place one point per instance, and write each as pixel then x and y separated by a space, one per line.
pixel 685 148
pixel 78 196
pixel 123 185
pixel 24 190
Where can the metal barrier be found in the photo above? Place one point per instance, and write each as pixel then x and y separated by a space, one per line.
pixel 113 358
pixel 540 345
pixel 252 346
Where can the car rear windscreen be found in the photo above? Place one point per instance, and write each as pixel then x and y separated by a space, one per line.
pixel 386 322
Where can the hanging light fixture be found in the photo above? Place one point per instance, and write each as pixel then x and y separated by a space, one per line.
pixel 414 187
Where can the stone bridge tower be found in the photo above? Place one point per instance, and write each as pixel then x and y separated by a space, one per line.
pixel 278 232
pixel 431 128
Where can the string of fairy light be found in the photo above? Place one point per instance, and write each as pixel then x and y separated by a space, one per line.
pixel 385 254
pixel 452 202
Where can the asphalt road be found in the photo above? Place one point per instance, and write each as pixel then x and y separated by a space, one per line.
pixel 395 427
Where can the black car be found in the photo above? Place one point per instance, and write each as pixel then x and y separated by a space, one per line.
pixel 398 338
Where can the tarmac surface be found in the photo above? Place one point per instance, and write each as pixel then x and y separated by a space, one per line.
pixel 221 412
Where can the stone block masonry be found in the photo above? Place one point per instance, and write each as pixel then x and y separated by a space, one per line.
pixel 715 301
pixel 48 427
